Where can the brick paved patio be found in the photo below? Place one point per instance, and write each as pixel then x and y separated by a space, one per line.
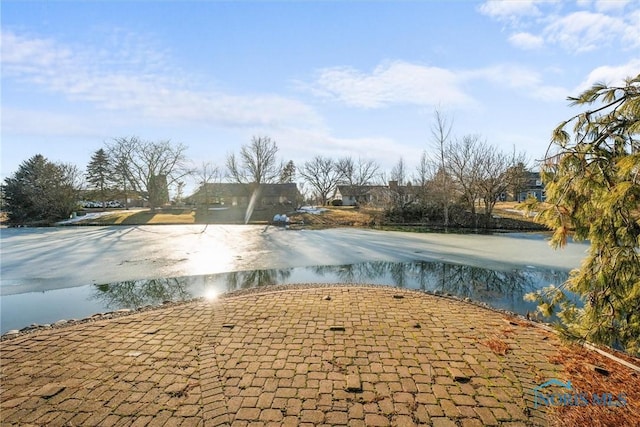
pixel 343 355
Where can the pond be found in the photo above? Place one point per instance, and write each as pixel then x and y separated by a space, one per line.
pixel 50 274
pixel 497 288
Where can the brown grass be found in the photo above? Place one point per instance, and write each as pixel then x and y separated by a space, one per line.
pixel 186 217
pixel 340 217
pixel 506 210
pixel 144 217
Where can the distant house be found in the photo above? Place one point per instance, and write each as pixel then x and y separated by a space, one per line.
pixel 353 195
pixel 373 195
pixel 235 194
pixel 533 188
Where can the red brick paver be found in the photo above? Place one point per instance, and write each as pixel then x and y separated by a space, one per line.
pixel 365 356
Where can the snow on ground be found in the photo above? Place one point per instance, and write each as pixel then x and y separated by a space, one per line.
pixel 523 213
pixel 85 217
pixel 89 216
pixel 38 259
pixel 312 210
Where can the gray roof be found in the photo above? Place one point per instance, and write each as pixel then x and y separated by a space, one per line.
pixel 228 189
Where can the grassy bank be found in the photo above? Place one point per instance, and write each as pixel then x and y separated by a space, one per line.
pixel 506 217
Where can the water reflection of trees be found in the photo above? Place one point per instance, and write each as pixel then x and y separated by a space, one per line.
pixel 255 278
pixel 137 293
pixel 461 280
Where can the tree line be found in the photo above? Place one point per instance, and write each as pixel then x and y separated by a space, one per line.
pixel 464 172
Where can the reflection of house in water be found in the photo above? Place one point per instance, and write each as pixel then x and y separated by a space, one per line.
pixel 235 194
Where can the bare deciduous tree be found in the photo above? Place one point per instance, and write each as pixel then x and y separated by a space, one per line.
pixel 464 161
pixel 441 133
pixel 424 177
pixel 151 167
pixel 119 153
pixel 399 172
pixel 495 175
pixel 321 174
pixel 206 175
pixel 518 175
pixel 498 173
pixel 257 162
pixel 357 173
pixel 480 171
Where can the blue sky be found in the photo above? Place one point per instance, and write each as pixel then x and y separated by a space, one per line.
pixel 359 78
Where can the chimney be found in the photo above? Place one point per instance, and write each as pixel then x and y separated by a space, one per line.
pixel 393 185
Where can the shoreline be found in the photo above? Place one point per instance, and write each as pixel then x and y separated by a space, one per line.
pixel 245 292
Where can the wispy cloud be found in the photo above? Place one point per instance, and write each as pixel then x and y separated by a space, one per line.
pixel 510 11
pixel 584 31
pixel 593 25
pixel 137 79
pixel 526 41
pixel 395 82
pixel 403 83
pixel 524 80
pixel 609 5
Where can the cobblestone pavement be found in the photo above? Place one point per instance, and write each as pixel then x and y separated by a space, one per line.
pixel 343 355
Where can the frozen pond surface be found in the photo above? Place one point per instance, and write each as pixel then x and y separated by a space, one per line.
pixel 52 273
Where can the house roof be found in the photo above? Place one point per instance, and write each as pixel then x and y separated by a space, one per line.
pixel 534 180
pixel 230 189
pixel 358 190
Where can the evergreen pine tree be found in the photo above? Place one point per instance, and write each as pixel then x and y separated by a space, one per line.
pixel 100 174
pixel 39 192
pixel 593 192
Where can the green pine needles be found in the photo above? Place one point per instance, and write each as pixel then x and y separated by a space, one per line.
pixel 592 181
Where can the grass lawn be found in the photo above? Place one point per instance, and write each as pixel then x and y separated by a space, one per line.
pixel 137 217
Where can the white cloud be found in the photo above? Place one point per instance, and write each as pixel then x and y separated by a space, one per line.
pixel 631 31
pixel 22 54
pixel 610 5
pixel 137 79
pixel 593 25
pixel 391 83
pixel 610 75
pixel 402 83
pixel 509 10
pixel 584 31
pixel 526 41
pixel 524 80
